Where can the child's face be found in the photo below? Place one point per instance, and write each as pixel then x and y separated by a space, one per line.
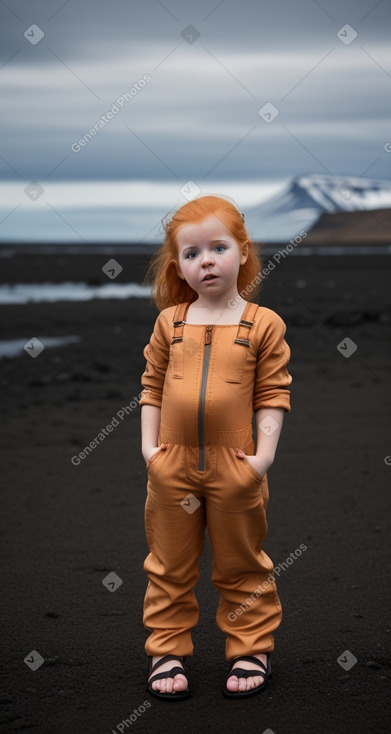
pixel 208 247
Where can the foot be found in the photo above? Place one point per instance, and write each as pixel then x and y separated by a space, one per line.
pixel 168 685
pixel 235 684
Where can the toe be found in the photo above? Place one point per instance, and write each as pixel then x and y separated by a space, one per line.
pixel 180 682
pixel 256 681
pixel 233 683
pixel 243 683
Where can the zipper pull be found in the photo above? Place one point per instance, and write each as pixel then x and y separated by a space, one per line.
pixel 208 334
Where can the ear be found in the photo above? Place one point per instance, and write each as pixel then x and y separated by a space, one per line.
pixel 244 254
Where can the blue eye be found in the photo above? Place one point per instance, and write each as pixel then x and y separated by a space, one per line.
pixel 187 257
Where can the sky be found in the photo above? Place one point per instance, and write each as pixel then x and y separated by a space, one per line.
pixel 234 97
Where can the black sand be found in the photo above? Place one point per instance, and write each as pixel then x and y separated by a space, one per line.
pixel 65 526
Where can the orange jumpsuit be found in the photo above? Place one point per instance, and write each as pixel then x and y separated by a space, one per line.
pixel 208 380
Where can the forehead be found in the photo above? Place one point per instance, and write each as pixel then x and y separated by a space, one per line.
pixel 209 227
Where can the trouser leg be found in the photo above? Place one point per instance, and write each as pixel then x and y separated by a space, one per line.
pixel 249 608
pixel 175 535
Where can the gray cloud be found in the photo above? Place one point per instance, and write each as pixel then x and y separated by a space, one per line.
pixel 197 118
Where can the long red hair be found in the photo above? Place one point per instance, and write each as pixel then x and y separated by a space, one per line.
pixel 168 288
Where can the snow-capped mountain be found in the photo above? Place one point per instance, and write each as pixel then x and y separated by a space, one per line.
pixel 301 202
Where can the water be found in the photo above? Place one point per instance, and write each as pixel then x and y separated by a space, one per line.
pixel 53 292
pixel 16 347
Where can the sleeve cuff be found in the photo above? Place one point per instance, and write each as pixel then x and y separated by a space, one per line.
pixel 280 401
pixel 148 398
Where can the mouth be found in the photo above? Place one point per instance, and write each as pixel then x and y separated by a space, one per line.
pixel 209 277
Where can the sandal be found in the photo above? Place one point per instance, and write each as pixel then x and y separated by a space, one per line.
pixel 243 673
pixel 175 695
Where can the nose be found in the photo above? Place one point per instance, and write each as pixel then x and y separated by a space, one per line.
pixel 206 258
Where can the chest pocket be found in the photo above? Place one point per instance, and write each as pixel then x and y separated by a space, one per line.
pixel 239 349
pixel 176 359
pixel 236 362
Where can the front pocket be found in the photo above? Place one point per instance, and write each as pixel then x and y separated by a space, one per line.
pixel 248 467
pixel 253 471
pixel 242 488
pixel 154 457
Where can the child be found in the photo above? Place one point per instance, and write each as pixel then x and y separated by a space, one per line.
pixel 213 358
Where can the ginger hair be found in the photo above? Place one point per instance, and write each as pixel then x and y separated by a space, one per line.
pixel 168 289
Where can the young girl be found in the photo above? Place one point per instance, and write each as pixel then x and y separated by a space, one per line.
pixel 213 359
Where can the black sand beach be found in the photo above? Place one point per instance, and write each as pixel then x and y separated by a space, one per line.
pixel 67 525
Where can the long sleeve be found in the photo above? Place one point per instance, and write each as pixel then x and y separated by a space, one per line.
pixel 272 380
pixel 156 354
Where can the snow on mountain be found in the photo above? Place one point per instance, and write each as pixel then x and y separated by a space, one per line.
pixel 301 202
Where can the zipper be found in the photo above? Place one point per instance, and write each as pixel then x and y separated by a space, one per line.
pixel 201 411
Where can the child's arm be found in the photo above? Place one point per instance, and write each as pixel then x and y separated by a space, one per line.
pixel 268 435
pixel 156 354
pixel 271 389
pixel 150 424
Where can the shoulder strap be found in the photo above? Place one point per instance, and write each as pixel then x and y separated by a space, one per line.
pixel 244 326
pixel 178 322
pixel 246 323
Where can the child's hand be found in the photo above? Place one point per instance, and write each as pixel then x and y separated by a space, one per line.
pixel 154 450
pixel 258 463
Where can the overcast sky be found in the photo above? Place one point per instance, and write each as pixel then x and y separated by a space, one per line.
pixel 193 104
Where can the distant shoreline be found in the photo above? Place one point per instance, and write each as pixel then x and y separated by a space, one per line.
pixel 11 249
